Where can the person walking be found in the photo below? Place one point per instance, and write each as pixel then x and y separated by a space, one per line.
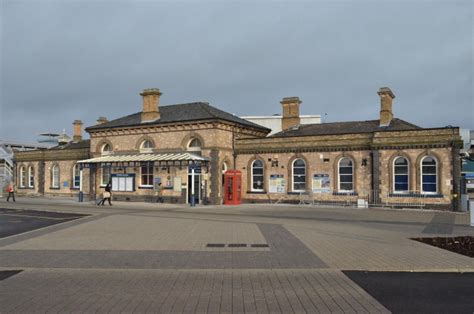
pixel 11 192
pixel 107 195
pixel 159 191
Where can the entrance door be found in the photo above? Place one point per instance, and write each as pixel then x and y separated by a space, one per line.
pixel 197 187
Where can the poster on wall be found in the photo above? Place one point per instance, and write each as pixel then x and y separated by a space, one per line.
pixel 321 183
pixel 122 182
pixel 177 184
pixel 277 183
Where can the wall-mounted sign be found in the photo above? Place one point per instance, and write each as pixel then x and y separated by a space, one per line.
pixel 321 183
pixel 277 183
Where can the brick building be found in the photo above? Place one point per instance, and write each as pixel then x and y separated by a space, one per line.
pixel 384 161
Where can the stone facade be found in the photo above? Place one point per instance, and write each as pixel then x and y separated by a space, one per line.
pixel 216 144
pixel 309 154
pixel 43 162
pixel 321 155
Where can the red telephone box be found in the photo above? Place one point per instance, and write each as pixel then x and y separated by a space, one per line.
pixel 232 187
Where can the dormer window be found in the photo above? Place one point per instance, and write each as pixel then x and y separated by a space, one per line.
pixel 146 146
pixel 106 149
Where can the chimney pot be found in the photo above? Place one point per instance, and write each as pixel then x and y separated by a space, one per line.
pixel 386 98
pixel 77 125
pixel 102 120
pixel 151 103
pixel 291 112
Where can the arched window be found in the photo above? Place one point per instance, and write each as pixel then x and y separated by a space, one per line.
pixel 31 177
pixel 194 146
pixel 76 176
pixel 194 143
pixel 346 175
pixel 299 175
pixel 55 177
pixel 106 149
pixel 400 175
pixel 22 176
pixel 146 146
pixel 257 176
pixel 429 175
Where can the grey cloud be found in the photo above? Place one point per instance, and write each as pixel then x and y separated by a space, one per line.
pixel 79 60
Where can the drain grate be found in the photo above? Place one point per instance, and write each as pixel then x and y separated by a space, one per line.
pixel 215 245
pixel 220 245
pixel 258 245
pixel 237 245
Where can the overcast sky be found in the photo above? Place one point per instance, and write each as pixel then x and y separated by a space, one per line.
pixel 67 60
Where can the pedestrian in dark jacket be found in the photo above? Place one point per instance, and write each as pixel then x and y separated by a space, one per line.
pixel 107 195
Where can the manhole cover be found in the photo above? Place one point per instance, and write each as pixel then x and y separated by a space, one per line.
pixel 237 245
pixel 215 245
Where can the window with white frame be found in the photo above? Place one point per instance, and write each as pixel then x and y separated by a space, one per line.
pixel 106 149
pixel 31 176
pixel 22 177
pixel 194 146
pixel 299 175
pixel 147 174
pixel 400 175
pixel 146 146
pixel 55 176
pixel 257 176
pixel 105 179
pixel 76 176
pixel 346 175
pixel 429 175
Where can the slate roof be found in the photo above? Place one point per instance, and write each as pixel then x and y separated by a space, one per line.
pixel 73 145
pixel 179 113
pixel 335 128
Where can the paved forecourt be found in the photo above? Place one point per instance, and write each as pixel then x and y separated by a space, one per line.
pixel 251 258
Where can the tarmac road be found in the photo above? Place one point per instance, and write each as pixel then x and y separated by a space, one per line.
pixel 13 221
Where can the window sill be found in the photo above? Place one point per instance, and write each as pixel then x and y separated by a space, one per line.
pixel 146 187
pixel 344 193
pixel 297 192
pixel 416 195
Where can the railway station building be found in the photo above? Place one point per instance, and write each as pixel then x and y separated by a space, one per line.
pixel 188 148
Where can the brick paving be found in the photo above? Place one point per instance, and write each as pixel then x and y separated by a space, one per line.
pixel 160 291
pixel 285 251
pixel 152 258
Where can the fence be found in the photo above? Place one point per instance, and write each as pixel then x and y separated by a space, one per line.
pixel 408 199
pixel 412 199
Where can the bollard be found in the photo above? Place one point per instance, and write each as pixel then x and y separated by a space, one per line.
pixel 81 197
pixel 471 210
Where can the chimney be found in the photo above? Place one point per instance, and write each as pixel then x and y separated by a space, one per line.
pixel 151 103
pixel 386 98
pixel 291 112
pixel 102 120
pixel 77 137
